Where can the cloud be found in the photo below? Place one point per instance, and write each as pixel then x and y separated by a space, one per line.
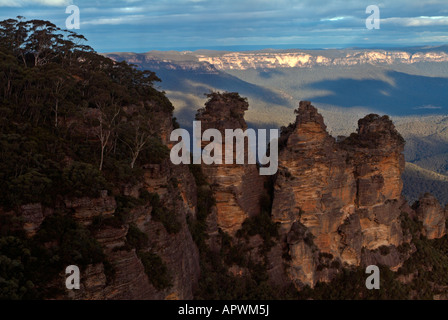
pixel 427 107
pixel 418 21
pixel 334 19
pixel 129 19
pixel 185 24
pixel 21 3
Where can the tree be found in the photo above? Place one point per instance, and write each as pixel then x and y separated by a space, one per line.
pixel 58 85
pixel 107 116
pixel 136 135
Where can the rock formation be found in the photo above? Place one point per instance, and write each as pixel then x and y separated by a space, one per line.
pixel 431 214
pixel 338 203
pixel 334 199
pixel 237 188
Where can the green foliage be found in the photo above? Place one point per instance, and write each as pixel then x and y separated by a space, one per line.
pixel 410 226
pixel 350 285
pixel 156 153
pixel 260 224
pixel 205 202
pixel 198 175
pixel 101 221
pixel 156 270
pixel 82 123
pixel 120 172
pixel 29 265
pixel 216 283
pixel 160 213
pixel 427 269
pixel 232 253
pixel 429 264
pixel 126 204
pixel 384 250
pixel 175 123
pixel 30 187
pixel 74 244
pixel 15 256
pixel 73 109
pixel 82 179
pixel 136 238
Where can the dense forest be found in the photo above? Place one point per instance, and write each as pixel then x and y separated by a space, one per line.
pixel 62 104
pixel 72 123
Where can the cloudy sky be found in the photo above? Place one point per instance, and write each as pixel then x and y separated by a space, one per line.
pixel 143 25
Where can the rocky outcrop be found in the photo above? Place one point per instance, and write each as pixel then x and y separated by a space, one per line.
pixel 431 214
pixel 32 215
pixel 85 209
pixel 237 188
pixel 345 196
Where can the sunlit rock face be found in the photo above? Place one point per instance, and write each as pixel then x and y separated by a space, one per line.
pixel 237 187
pixel 267 60
pixel 431 214
pixel 347 194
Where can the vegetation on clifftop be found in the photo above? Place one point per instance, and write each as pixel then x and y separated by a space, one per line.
pixel 72 124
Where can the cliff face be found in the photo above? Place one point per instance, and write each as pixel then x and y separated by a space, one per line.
pixel 243 61
pixel 237 188
pixel 431 214
pixel 335 198
pixel 176 190
pixel 177 250
pixel 338 203
pixel 212 62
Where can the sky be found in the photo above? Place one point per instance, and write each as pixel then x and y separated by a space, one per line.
pixel 144 25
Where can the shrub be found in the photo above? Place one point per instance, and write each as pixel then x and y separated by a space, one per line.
pixel 136 238
pixel 262 225
pixel 384 250
pixel 335 264
pixel 156 153
pixel 205 202
pixel 161 214
pixel 99 222
pixel 29 265
pixel 156 270
pixel 82 179
pixel 30 187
